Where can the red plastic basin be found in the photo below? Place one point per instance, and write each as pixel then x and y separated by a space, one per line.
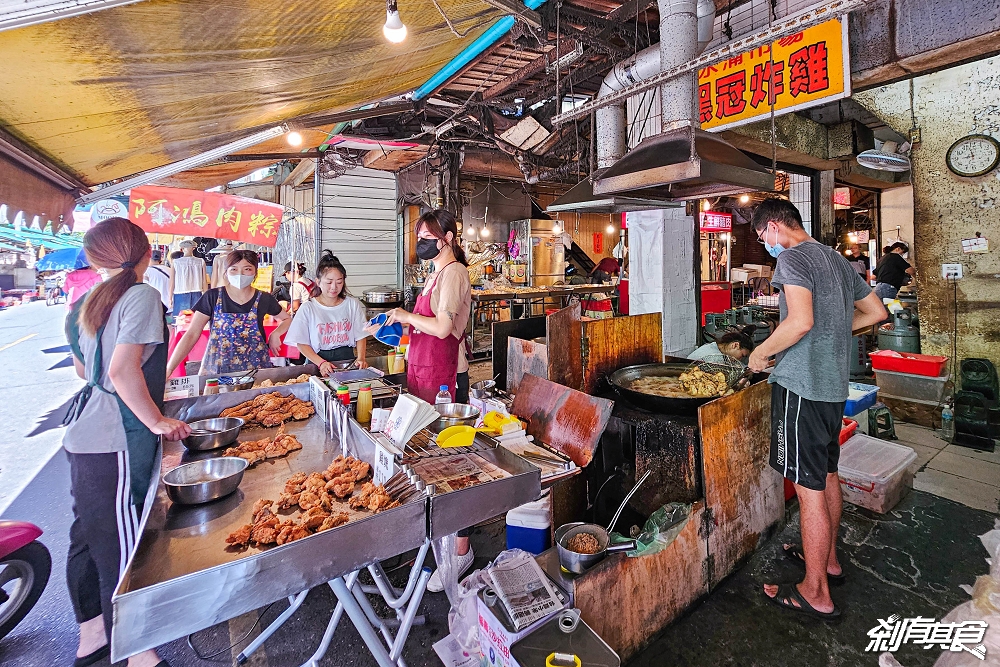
pixel 927 365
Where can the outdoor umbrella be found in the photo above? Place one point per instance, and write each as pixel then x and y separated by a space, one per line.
pixel 59 260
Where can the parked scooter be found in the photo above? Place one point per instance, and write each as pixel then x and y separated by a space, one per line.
pixel 25 565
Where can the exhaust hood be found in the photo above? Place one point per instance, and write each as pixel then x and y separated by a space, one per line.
pixel 581 199
pixel 681 164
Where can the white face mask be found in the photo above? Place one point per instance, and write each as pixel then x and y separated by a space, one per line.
pixel 239 281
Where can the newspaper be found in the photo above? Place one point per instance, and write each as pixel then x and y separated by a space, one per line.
pixel 524 590
pixel 452 473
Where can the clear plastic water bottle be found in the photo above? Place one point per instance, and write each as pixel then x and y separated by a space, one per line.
pixel 443 396
pixel 947 423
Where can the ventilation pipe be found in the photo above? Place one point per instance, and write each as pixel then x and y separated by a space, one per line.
pixel 678 19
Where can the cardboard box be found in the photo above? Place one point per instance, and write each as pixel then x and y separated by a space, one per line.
pixel 741 275
pixel 763 270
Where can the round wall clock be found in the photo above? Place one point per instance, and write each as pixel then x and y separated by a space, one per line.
pixel 973 155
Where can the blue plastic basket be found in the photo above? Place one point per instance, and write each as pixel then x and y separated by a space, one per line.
pixel 862 397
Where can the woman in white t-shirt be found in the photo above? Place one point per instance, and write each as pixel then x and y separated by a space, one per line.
pixel 328 327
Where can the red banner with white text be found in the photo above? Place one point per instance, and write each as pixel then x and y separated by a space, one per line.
pixel 198 213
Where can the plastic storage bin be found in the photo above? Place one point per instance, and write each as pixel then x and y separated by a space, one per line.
pixel 907 362
pixel 912 387
pixel 846 431
pixel 528 527
pixel 874 473
pixel 860 397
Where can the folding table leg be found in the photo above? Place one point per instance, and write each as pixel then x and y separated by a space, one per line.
pixel 360 620
pixel 331 627
pixel 294 602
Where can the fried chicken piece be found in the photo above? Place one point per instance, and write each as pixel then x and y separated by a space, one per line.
pixel 294 483
pixel 336 468
pixel 360 500
pixel 266 531
pixel 326 501
pixel 240 537
pixel 308 500
pixel 378 499
pixel 291 531
pixel 333 521
pixel 288 500
pixel 314 518
pixel 315 482
pixel 340 486
pixel 303 411
pixel 266 383
pixel 259 507
pixel 289 442
pixel 360 470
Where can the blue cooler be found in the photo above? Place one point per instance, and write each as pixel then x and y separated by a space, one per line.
pixel 529 526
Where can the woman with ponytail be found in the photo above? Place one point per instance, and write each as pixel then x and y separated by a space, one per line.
pixel 330 327
pixel 436 355
pixel 118 336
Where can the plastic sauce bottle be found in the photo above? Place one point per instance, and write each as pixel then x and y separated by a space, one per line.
pixel 947 423
pixel 344 395
pixel 364 409
pixel 211 387
pixel 443 396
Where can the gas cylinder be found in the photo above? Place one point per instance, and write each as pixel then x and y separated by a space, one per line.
pixel 901 333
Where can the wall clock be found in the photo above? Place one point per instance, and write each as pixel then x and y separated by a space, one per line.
pixel 973 155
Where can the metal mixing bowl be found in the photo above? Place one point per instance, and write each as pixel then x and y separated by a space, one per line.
pixel 204 481
pixel 454 414
pixel 227 430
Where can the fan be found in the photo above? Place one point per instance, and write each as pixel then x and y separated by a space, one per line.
pixel 335 164
pixel 890 156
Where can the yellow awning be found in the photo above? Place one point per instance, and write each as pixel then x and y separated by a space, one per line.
pixel 122 90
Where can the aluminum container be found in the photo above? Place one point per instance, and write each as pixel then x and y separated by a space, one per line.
pixel 226 431
pixel 204 481
pixel 454 414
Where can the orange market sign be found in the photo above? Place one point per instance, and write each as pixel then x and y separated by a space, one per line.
pixel 160 210
pixel 798 71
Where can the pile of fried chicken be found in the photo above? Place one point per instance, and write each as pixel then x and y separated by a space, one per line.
pixel 255 451
pixel 702 385
pixel 296 380
pixel 266 527
pixel 270 409
pixel 317 495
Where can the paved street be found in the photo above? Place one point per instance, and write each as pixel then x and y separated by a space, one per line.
pixel 37 377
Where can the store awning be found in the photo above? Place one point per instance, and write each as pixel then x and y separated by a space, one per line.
pixel 127 89
pixel 22 236
pixel 24 189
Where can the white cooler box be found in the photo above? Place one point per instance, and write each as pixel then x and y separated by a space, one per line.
pixel 875 474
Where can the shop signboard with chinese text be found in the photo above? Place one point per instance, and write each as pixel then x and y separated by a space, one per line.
pixel 209 214
pixel 715 223
pixel 798 71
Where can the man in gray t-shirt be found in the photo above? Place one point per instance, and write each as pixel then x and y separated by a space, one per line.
pixel 823 300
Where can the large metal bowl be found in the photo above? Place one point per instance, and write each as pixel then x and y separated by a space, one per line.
pixel 227 429
pixel 204 481
pixel 454 414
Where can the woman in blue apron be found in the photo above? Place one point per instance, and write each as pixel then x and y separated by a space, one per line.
pixel 236 341
pixel 118 336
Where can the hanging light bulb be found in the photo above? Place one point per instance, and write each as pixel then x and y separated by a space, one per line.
pixel 293 138
pixel 394 30
pixel 706 205
pixel 852 237
pixel 610 229
pixel 556 229
pixel 485 234
pixel 744 199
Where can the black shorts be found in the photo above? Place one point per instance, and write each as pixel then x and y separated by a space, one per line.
pixel 805 437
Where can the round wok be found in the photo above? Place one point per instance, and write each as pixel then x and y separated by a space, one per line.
pixel 622 378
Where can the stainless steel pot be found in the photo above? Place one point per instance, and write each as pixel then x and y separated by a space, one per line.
pixel 454 414
pixel 383 295
pixel 223 432
pixel 204 481
pixel 579 563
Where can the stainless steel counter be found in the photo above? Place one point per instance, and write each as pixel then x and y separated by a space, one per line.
pixel 182 578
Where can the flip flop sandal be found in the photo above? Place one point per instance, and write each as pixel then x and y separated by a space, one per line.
pixel 793 552
pixel 787 597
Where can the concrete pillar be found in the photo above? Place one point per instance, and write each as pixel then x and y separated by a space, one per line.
pixel 661 274
pixel 825 232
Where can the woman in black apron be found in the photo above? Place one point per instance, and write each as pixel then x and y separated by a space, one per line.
pixel 119 340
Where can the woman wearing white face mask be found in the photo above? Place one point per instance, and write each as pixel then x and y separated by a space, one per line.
pixel 236 312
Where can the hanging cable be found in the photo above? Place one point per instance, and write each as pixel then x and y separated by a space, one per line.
pixel 451 27
pixel 231 646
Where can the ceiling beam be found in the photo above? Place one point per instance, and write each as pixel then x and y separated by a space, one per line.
pixel 347 116
pixel 628 10
pixel 514 7
pixel 536 66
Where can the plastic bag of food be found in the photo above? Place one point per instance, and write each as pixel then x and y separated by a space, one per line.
pixel 661 528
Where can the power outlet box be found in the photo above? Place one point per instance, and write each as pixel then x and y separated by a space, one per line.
pixel 951 271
